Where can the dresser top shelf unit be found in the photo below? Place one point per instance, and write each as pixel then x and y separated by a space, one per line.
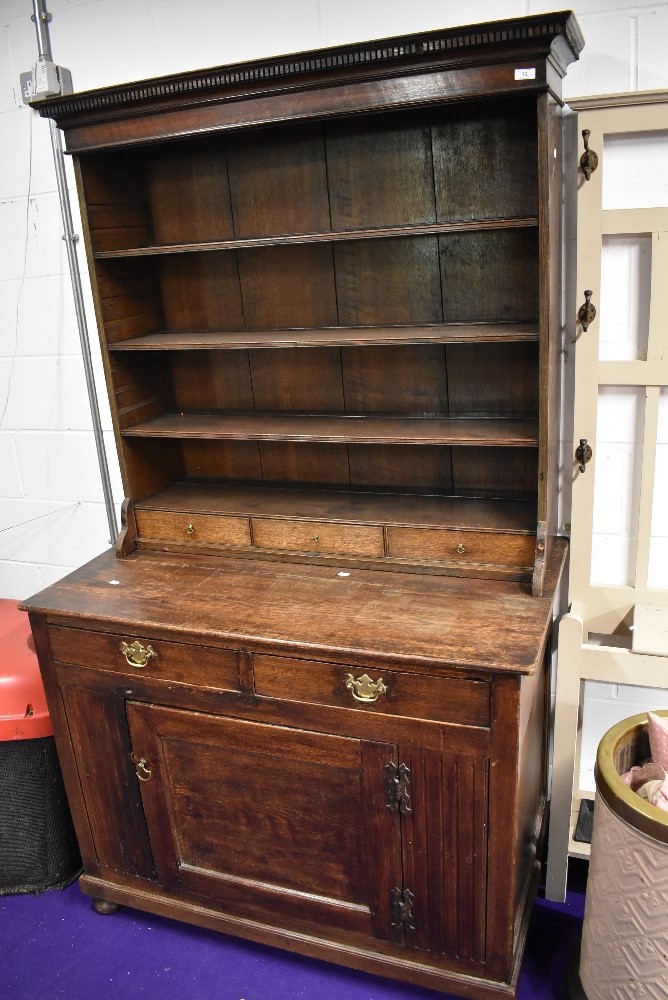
pixel 335 272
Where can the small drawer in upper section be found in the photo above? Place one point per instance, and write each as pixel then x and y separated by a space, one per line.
pixel 462 701
pixel 213 529
pixel 318 536
pixel 205 666
pixel 457 545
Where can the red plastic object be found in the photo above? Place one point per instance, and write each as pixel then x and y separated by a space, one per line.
pixel 23 711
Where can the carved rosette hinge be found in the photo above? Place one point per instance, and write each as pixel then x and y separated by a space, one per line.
pixel 402 903
pixel 398 788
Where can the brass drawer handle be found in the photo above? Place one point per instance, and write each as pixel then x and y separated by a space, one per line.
pixel 190 529
pixel 461 549
pixel 137 655
pixel 364 689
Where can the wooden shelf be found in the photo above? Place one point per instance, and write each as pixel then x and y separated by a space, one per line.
pixel 347 505
pixel 290 239
pixel 356 336
pixel 344 429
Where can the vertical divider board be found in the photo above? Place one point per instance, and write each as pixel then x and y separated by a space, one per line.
pixel 606 610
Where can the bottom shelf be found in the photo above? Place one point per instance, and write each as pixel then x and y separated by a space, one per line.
pixel 492 537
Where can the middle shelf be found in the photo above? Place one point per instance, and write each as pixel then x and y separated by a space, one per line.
pixel 340 428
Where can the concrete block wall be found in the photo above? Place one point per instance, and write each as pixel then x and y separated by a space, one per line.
pixel 52 516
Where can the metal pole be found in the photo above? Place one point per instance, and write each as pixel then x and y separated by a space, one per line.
pixel 41 19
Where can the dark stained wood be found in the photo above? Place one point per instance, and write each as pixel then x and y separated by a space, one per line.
pixel 333 236
pixel 393 281
pixel 265 171
pixel 172 661
pixel 318 536
pixel 380 173
pixel 294 380
pixel 502 472
pixel 222 459
pixel 502 379
pixel 288 287
pixel 282 605
pixel 489 276
pixel 320 337
pixel 344 505
pixel 304 462
pixel 328 293
pixel 485 163
pixel 439 699
pixel 202 290
pixel 221 381
pixel 99 735
pixel 402 466
pixel 246 852
pixel 461 546
pixel 363 429
pixel 189 196
pixel 411 380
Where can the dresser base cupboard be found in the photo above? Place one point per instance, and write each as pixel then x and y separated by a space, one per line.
pixel 305 700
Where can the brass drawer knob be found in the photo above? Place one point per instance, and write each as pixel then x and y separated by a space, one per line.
pixel 461 549
pixel 137 655
pixel 364 689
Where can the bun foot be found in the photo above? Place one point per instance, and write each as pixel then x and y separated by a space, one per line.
pixel 104 907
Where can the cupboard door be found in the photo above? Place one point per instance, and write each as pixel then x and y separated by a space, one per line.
pixel 271 823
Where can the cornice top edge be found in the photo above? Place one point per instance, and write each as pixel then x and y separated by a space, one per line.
pixel 543 28
pixel 630 98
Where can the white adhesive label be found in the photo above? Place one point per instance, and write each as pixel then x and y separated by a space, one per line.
pixel 525 74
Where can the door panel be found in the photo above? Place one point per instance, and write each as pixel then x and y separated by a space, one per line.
pixel 267 820
pixel 445 852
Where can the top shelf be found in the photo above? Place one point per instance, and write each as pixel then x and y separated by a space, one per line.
pixel 335 236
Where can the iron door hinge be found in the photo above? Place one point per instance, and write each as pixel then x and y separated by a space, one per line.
pixel 398 788
pixel 402 907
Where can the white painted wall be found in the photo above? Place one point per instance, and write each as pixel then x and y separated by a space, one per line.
pixel 52 516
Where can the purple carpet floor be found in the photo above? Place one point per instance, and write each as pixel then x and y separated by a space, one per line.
pixel 55 946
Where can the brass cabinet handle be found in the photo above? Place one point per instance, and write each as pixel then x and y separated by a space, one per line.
pixel 142 770
pixel 137 655
pixel 190 529
pixel 461 549
pixel 364 689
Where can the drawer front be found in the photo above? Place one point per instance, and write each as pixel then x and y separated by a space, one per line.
pixel 462 701
pixel 212 529
pixel 204 666
pixel 318 536
pixel 453 545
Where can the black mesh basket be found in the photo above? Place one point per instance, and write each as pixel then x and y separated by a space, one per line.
pixel 38 847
